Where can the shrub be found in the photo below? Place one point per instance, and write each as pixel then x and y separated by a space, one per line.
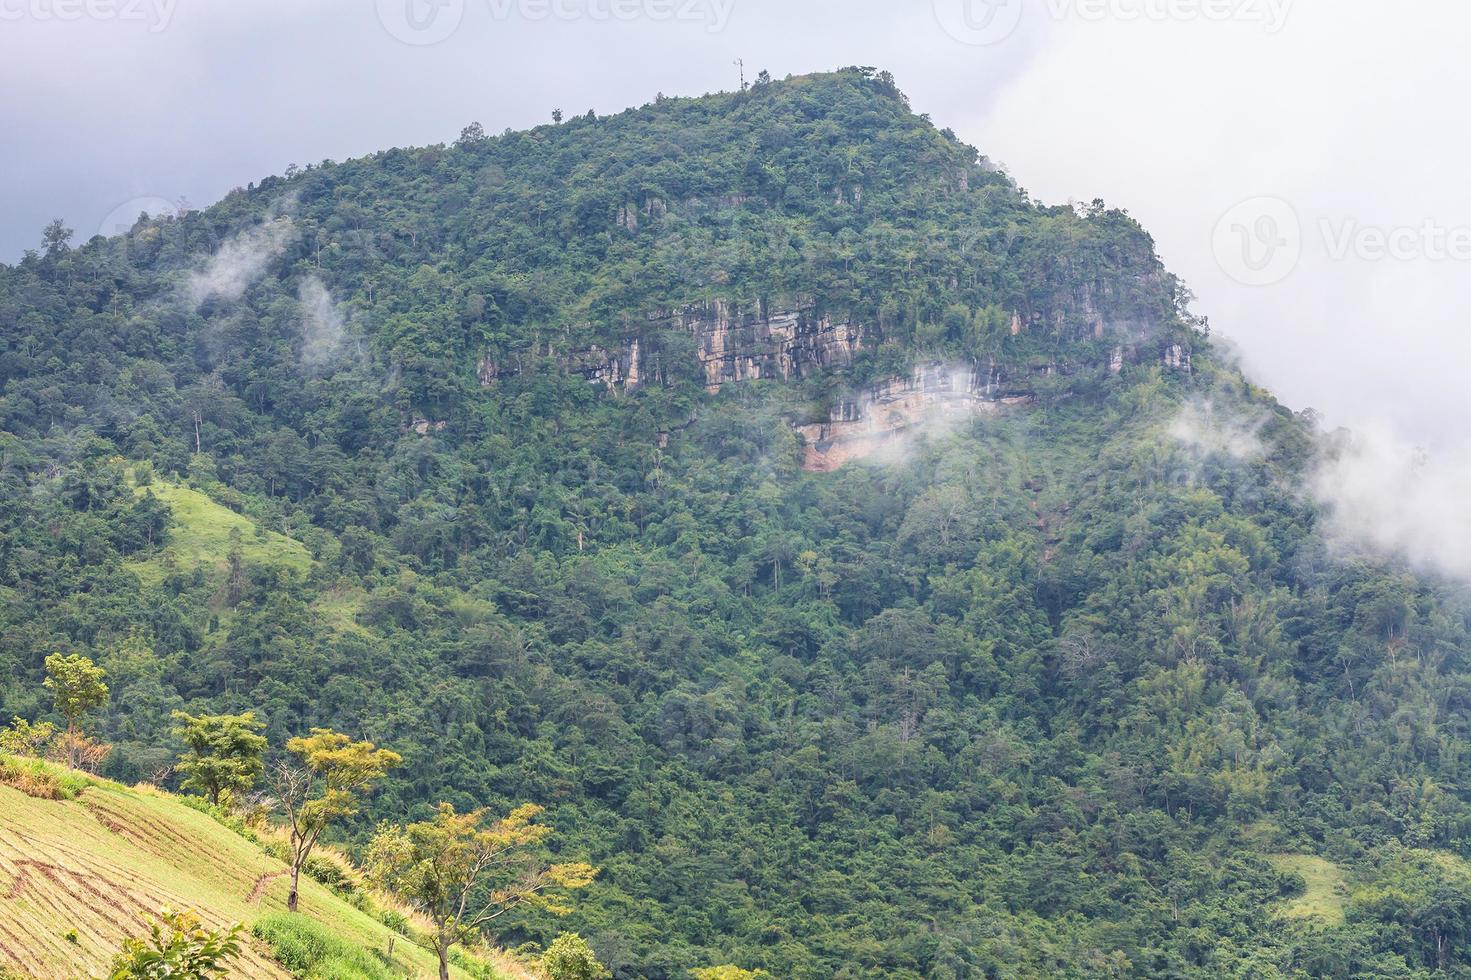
pixel 23 738
pixel 570 958
pixel 177 946
pixel 79 751
pixel 31 779
pixel 396 921
pixel 229 819
pixel 331 874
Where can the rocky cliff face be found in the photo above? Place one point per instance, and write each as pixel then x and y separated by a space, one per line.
pixel 731 346
pixel 746 342
pixel 1094 310
pixel 934 396
pixel 746 347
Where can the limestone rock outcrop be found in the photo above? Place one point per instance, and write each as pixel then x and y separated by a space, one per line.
pixel 730 346
pixel 733 346
pixel 934 397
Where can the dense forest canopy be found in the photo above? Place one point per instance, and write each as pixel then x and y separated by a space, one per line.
pixel 1051 692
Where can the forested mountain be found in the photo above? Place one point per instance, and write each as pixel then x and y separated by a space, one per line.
pixel 874 572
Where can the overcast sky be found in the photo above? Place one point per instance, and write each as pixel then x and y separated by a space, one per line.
pixel 1301 163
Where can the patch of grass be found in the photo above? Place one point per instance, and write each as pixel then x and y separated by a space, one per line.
pixel 1452 864
pixel 200 538
pixel 1263 836
pixel 312 952
pixel 42 780
pixel 1326 892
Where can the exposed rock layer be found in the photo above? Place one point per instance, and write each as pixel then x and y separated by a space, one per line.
pixel 732 345
pixel 934 395
pixel 735 345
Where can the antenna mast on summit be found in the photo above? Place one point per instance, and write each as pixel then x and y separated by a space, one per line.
pixel 741 64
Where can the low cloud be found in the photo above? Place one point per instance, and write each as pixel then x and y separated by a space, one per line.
pixel 323 327
pixel 1385 496
pixel 239 262
pixel 1208 430
pixel 895 421
pixel 1379 495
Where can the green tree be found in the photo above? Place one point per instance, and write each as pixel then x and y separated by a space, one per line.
pixel 226 752
pixel 463 873
pixel 178 947
pixel 324 787
pixel 235 584
pixel 569 957
pixel 55 237
pixel 78 686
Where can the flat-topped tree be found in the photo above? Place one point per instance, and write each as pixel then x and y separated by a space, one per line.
pixel 334 772
pixel 464 870
pixel 226 752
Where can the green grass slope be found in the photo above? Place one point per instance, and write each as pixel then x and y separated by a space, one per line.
pixel 97 865
pixel 1326 893
pixel 200 537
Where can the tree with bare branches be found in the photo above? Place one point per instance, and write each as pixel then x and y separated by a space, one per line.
pixel 463 872
pixel 1080 652
pixel 323 787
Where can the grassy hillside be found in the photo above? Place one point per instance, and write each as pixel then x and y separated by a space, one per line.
pixel 200 537
pixel 1325 893
pixel 101 862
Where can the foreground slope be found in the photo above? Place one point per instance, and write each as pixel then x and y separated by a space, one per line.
pixel 875 572
pixel 81 875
